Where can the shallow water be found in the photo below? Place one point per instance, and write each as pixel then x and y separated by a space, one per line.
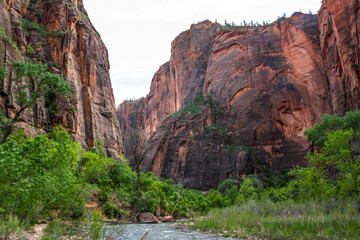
pixel 162 231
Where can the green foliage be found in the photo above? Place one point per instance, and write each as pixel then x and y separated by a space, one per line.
pixel 340 154
pixel 318 133
pixel 230 195
pixel 51 174
pixel 111 210
pixel 192 109
pixel 195 107
pixel 32 81
pixel 10 228
pixel 230 148
pixel 217 129
pixel 157 195
pixel 97 226
pixel 284 220
pixel 3 73
pixel 38 173
pixel 36 77
pixel 5 37
pixel 30 50
pixel 54 230
pixel 29 26
pixel 246 191
pixel 214 199
pixel 227 184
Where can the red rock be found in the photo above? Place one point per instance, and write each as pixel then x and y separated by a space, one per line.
pixel 339 24
pixel 81 57
pixel 269 84
pixel 169 219
pixel 147 218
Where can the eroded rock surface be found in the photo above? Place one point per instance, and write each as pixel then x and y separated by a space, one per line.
pixel 339 24
pixel 71 46
pixel 267 85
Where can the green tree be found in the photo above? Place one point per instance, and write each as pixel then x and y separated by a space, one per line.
pixel 341 155
pixel 32 81
pixel 38 174
pixel 333 137
pixel 246 191
pixel 135 147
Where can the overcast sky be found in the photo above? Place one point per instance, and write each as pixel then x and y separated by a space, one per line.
pixel 138 33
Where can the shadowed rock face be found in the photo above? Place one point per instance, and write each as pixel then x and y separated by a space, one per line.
pixel 339 24
pixel 75 50
pixel 269 85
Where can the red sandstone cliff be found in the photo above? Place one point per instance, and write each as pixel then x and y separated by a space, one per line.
pixel 71 45
pixel 339 22
pixel 269 82
pixel 267 86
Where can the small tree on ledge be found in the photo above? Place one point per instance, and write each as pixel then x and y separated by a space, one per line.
pixel 32 81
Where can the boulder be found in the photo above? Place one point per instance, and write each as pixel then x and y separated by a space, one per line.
pixel 147 217
pixel 169 219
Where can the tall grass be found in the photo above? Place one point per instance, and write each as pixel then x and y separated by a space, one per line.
pixel 10 227
pixel 285 220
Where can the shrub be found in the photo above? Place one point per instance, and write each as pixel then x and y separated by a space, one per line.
pixel 10 227
pixel 111 210
pixel 30 50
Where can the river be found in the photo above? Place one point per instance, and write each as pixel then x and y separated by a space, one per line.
pixel 162 231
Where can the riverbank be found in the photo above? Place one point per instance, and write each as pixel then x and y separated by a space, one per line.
pixel 283 220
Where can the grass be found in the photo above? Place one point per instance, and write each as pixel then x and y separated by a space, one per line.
pixel 10 227
pixel 284 220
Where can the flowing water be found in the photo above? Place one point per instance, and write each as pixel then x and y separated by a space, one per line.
pixel 162 231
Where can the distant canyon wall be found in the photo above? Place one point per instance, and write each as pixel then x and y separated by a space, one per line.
pixel 267 86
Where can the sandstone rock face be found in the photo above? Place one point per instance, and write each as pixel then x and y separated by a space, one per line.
pixel 69 43
pixel 268 85
pixel 339 24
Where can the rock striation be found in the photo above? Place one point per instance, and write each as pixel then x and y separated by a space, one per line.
pixel 339 23
pixel 60 33
pixel 263 87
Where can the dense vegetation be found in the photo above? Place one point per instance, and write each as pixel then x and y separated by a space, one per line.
pixel 321 201
pixel 51 178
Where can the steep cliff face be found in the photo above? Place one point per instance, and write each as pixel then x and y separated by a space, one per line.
pixel 340 25
pixel 61 34
pixel 269 86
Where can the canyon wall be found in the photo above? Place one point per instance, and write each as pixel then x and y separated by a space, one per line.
pixel 61 35
pixel 263 87
pixel 339 24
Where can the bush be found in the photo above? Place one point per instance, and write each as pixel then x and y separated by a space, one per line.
pixel 246 191
pixel 111 210
pixel 38 172
pixel 54 230
pixel 10 227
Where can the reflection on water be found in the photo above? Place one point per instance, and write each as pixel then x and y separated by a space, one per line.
pixel 162 231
